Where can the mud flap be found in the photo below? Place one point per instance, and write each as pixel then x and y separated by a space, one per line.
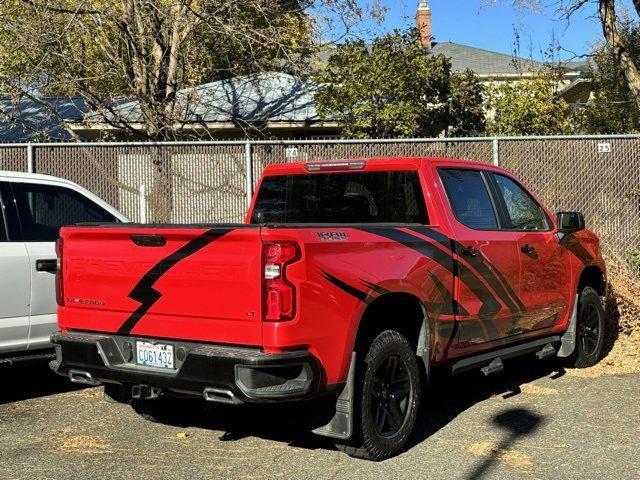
pixel 341 424
pixel 568 340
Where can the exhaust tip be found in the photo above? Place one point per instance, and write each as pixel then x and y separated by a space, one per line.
pixel 220 395
pixel 83 377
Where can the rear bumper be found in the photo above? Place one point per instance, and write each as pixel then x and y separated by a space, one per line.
pixel 216 372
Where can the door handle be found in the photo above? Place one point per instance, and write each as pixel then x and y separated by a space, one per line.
pixel 527 249
pixel 47 265
pixel 470 252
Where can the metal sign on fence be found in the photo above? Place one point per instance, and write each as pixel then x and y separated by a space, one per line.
pixel 604 148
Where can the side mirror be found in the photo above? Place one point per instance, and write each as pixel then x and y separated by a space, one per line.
pixel 570 222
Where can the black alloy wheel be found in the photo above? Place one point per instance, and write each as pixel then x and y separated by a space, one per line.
pixel 390 393
pixel 589 329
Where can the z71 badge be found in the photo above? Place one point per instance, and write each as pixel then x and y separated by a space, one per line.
pixel 332 236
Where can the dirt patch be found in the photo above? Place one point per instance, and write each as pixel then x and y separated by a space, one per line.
pixel 16 408
pixel 85 444
pixel 531 389
pixel 514 458
pixel 623 303
pixel 91 392
pixel 623 327
pixel 624 358
pixel 64 441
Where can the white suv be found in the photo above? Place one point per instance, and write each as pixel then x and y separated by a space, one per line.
pixel 33 208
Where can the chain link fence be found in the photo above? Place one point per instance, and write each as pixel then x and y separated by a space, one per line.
pixel 211 182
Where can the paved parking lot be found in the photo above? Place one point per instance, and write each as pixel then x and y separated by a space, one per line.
pixel 534 422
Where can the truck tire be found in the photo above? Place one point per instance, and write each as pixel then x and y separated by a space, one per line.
pixel 590 330
pixel 388 386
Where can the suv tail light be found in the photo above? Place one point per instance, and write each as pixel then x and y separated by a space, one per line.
pixel 279 293
pixel 59 282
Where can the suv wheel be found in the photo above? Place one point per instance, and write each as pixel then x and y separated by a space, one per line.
pixel 388 386
pixel 590 329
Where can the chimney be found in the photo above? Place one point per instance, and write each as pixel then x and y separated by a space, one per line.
pixel 423 23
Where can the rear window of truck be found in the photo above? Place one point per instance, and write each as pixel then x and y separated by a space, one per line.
pixel 350 197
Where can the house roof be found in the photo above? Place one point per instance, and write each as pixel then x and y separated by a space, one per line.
pixel 488 63
pixel 32 121
pixel 264 97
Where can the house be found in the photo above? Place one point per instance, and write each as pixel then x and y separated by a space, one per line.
pixel 41 119
pixel 270 104
pixel 494 67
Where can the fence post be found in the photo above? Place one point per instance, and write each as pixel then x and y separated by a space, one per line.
pixel 143 204
pixel 248 165
pixel 31 167
pixel 496 152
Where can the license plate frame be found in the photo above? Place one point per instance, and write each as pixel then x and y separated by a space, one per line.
pixel 155 355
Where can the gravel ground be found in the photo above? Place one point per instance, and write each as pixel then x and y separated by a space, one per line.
pixel 536 421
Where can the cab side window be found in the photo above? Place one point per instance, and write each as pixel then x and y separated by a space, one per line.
pixel 44 209
pixel 469 198
pixel 523 211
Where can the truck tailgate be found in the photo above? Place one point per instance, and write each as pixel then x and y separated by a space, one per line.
pixel 188 283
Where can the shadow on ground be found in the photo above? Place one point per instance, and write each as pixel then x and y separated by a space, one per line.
pixel 32 381
pixel 445 399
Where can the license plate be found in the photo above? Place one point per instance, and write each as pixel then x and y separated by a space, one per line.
pixel 158 355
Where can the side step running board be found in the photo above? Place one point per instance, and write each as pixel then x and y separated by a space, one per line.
pixel 491 362
pixel 548 351
pixel 496 366
pixel 12 361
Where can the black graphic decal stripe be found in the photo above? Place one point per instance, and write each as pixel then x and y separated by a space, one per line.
pixel 505 283
pixel 345 287
pixel 490 306
pixel 571 243
pixel 420 245
pixel 451 306
pixel 434 235
pixel 484 267
pixel 144 292
pixel 444 259
pixel 376 288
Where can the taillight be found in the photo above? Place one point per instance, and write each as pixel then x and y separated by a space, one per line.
pixel 279 293
pixel 59 281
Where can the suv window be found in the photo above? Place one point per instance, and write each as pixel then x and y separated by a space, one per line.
pixel 524 212
pixel 3 226
pixel 354 197
pixel 43 209
pixel 469 198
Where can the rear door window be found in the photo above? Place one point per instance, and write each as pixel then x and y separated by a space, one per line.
pixel 44 209
pixel 469 198
pixel 353 197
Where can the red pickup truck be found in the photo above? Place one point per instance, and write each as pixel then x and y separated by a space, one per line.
pixel 348 280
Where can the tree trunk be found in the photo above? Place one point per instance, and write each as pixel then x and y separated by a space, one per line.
pixel 619 47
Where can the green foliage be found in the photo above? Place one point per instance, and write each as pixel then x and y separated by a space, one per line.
pixel 632 258
pixel 612 108
pixel 393 88
pixel 528 107
pixel 88 47
pixel 466 110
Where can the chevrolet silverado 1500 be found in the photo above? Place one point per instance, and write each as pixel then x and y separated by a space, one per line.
pixel 349 280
